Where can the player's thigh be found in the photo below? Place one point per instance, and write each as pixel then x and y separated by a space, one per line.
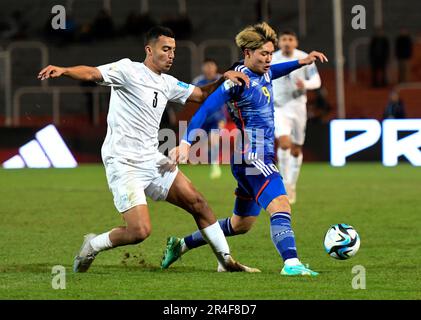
pixel 298 133
pixel 244 205
pixel 127 184
pixel 183 194
pixel 283 123
pixel 279 204
pixel 138 220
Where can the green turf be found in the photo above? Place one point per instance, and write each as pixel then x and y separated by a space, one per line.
pixel 44 214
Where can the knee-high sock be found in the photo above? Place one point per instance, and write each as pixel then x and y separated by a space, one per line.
pixel 294 169
pixel 282 235
pixel 283 162
pixel 214 236
pixel 196 238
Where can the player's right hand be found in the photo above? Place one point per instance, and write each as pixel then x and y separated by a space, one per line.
pixel 50 72
pixel 312 57
pixel 180 154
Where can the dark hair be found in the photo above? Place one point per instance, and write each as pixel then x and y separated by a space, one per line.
pixel 155 32
pixel 207 60
pixel 288 32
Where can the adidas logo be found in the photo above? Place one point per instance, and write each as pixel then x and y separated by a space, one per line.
pixel 254 83
pixel 47 150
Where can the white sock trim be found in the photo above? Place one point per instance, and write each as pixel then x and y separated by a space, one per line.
pixel 215 237
pixel 102 242
pixel 184 248
pixel 292 262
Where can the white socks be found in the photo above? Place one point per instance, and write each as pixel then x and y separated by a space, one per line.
pixel 215 237
pixel 283 162
pixel 184 248
pixel 102 242
pixel 292 262
pixel 294 169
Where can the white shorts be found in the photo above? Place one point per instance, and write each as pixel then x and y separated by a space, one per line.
pixel 130 182
pixel 290 120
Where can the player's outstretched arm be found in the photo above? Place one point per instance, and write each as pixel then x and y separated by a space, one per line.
pixel 200 94
pixel 84 73
pixel 312 57
pixel 284 68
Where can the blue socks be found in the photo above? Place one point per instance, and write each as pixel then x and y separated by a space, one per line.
pixel 282 235
pixel 196 240
pixel 280 230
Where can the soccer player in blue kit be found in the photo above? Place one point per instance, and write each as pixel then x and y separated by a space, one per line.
pixel 260 185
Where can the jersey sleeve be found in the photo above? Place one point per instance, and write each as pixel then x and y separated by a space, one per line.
pixel 282 69
pixel 221 95
pixel 179 91
pixel 312 80
pixel 114 74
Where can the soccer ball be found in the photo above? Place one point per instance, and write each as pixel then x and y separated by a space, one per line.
pixel 341 241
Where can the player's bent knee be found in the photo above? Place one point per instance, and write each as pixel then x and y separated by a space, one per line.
pixel 242 229
pixel 296 151
pixel 139 233
pixel 284 143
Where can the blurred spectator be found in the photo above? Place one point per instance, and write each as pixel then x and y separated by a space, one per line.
pixel 379 56
pixel 103 25
pixel 403 52
pixel 14 28
pixel 319 108
pixel 216 120
pixel 209 73
pixel 395 108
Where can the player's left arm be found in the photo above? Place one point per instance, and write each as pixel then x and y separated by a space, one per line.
pixel 282 69
pixel 200 94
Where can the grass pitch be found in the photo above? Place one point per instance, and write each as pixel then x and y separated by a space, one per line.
pixel 45 213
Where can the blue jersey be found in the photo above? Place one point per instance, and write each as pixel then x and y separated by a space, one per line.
pixel 252 111
pixel 250 108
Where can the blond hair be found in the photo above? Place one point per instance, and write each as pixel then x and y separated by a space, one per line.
pixel 254 37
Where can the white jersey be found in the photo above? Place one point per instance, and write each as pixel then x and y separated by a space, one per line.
pixel 285 89
pixel 138 99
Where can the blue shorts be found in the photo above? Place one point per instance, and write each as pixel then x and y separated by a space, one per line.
pixel 259 182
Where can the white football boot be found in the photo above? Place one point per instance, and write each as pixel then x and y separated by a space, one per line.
pixel 86 255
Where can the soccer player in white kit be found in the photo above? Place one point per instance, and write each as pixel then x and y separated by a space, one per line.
pixel 290 110
pixel 134 166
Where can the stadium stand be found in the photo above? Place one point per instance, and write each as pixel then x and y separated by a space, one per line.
pixel 210 19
